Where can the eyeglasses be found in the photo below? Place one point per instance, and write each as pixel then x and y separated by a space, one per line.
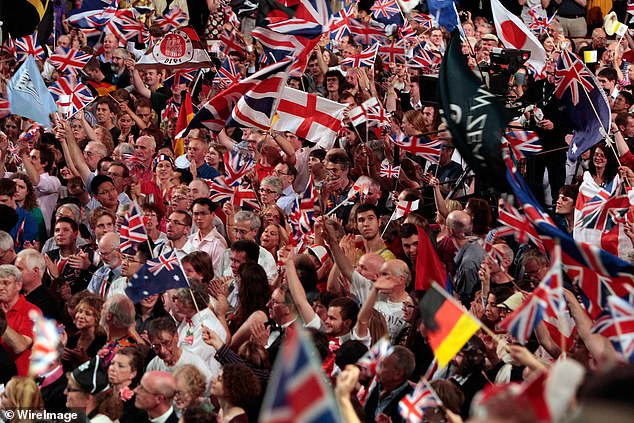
pixel 144 389
pixel 156 346
pixel 174 222
pixel 277 172
pixel 272 302
pixel 267 191
pixel 130 259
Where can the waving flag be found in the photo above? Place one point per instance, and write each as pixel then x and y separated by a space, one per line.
pixel 310 18
pixel 623 315
pixel 539 23
pixel 278 47
pixel 297 391
pixel 427 60
pixel 69 60
pixel 46 339
pixel 423 20
pixel 364 59
pixel 375 356
pixel 228 73
pixel 27 94
pixel 78 94
pixel 515 34
pixel 404 207
pixel 238 195
pixel 5 107
pixel 473 115
pixel 216 111
pixel 387 12
pixel 340 22
pixel 309 116
pixel 428 149
pixel 303 215
pixel 516 224
pixel 157 276
pixel 255 109
pixel 546 300
pixel 368 33
pixel 445 13
pixel 132 231
pixel 413 405
pixel 523 143
pixel 172 19
pixel 231 41
pixel 447 325
pixel 393 52
pixel 389 171
pixel 28 46
pixel 585 104
pixel 180 77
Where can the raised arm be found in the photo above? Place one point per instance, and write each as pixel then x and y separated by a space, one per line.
pixel 295 287
pixel 341 260
pixel 286 146
pixel 76 155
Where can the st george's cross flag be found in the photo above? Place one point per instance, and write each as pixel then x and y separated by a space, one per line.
pixel 308 116
pixel 514 33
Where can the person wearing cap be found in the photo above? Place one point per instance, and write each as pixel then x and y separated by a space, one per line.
pixel 155 395
pixel 89 392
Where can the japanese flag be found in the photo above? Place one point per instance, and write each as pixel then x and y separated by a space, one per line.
pixel 515 34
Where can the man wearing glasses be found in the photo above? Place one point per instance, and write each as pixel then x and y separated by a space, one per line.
pixel 169 355
pixel 287 175
pixel 178 227
pixel 108 250
pixel 155 394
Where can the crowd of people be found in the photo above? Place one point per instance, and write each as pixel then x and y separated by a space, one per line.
pixel 351 277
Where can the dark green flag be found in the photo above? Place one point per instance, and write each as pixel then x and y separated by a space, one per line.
pixel 474 116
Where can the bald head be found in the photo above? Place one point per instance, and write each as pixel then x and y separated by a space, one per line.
pixel 398 269
pixel 109 241
pixel 370 265
pixel 161 383
pixel 459 224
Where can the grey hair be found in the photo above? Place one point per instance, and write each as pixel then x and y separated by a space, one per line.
pixel 126 148
pixel 122 310
pixel 244 215
pixel 274 182
pixel 405 360
pixel 102 149
pixel 10 271
pixel 33 259
pixel 6 242
pixel 74 209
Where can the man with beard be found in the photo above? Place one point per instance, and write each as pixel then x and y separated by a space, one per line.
pixel 178 228
pixel 120 73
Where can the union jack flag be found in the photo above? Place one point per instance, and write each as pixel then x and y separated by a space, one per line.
pixel 297 391
pixel 28 45
pixel 80 95
pixel 428 149
pixel 302 215
pixel 516 224
pixel 523 143
pixel 387 12
pixel 424 20
pixel 539 24
pixel 493 252
pixel 375 356
pixel 427 60
pixel 4 106
pixel 174 18
pixel 367 33
pixel 571 75
pixel 393 52
pixel 228 73
pixel 239 195
pixel 546 300
pixel 623 315
pixel 376 114
pixel 69 60
pixel 340 22
pixel 181 77
pixel 363 59
pixel 9 47
pixel 310 20
pixel 46 341
pixel 132 231
pixel 389 171
pixel 413 405
pixel 232 41
pixel 157 276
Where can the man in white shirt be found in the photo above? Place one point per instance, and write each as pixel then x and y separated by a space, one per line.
pixel 207 238
pixel 169 355
pixel 178 227
pixel 246 225
pixel 37 164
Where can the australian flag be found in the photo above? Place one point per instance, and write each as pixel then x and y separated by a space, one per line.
pixel 586 105
pixel 297 392
pixel 157 276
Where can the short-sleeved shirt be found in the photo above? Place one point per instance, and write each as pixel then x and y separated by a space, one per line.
pixel 18 319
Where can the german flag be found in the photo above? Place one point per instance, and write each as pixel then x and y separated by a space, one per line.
pixel 448 325
pixel 185 115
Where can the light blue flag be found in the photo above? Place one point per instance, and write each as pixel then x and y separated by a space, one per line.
pixel 28 94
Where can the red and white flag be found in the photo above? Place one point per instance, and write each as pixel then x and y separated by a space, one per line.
pixel 314 118
pixel 404 207
pixel 515 34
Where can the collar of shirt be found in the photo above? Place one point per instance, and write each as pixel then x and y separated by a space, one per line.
pixel 163 418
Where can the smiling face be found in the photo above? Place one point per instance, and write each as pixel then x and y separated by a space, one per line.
pixel 270 237
pixel 85 317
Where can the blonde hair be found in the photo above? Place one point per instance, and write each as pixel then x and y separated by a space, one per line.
pixel 453 205
pixel 23 393
pixel 194 380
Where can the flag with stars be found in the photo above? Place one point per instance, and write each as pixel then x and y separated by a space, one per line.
pixel 157 276
pixel 584 103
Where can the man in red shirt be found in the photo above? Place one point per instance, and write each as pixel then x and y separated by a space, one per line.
pixel 18 336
